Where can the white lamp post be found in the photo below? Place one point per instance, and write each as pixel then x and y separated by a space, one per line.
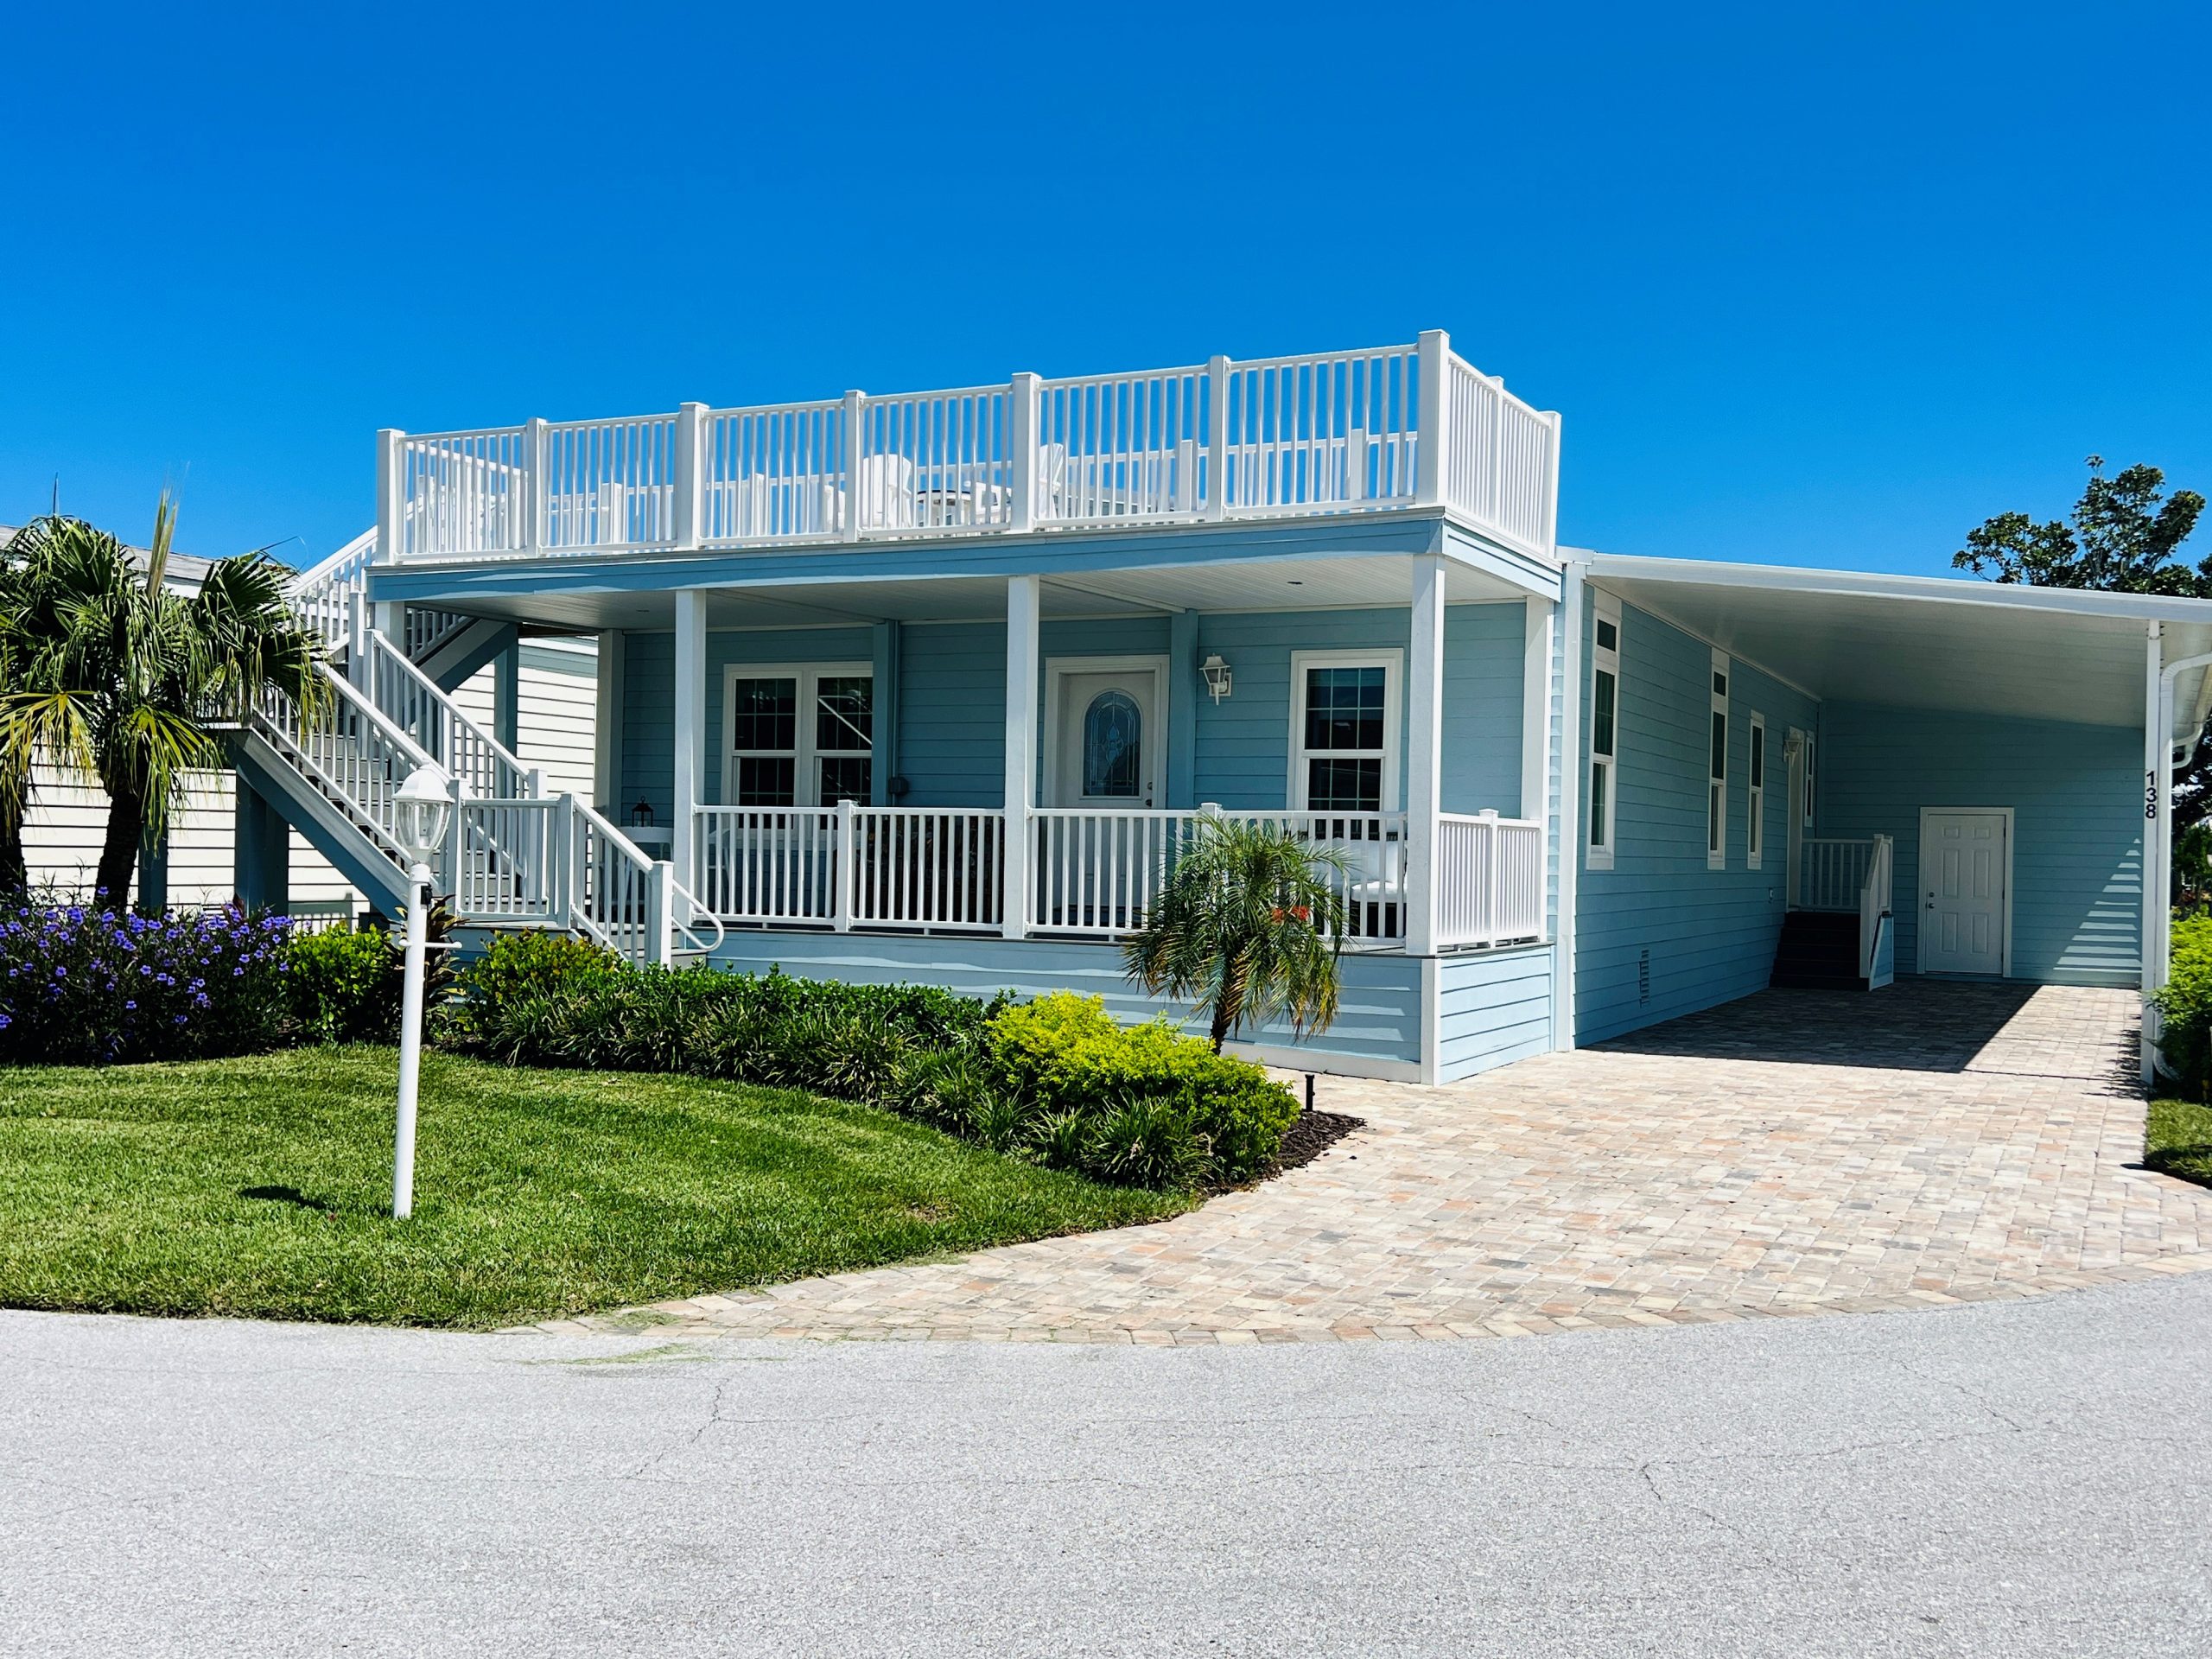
pixel 419 818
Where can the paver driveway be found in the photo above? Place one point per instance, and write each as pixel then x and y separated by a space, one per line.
pixel 1800 1152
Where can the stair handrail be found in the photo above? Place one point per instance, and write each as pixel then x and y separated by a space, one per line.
pixel 1873 903
pixel 273 708
pixel 322 594
pixel 509 778
pixel 637 856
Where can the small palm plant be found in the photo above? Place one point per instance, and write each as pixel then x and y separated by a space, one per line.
pixel 1248 927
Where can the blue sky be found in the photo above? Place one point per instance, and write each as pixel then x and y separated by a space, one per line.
pixel 1814 287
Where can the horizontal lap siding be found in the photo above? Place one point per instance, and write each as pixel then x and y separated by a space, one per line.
pixel 1711 934
pixel 1379 1018
pixel 1491 1008
pixel 2078 854
pixel 952 713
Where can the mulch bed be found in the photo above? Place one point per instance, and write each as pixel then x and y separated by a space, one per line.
pixel 1313 1134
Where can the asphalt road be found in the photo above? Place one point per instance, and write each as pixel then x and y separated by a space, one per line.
pixel 2018 1480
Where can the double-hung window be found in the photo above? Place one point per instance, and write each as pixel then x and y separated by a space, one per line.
pixel 1345 731
pixel 800 737
pixel 1755 777
pixel 1716 788
pixel 1605 730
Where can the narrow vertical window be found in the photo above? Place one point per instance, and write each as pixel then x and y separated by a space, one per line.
pixel 1755 779
pixel 1716 789
pixel 1605 731
pixel 1805 807
pixel 1344 732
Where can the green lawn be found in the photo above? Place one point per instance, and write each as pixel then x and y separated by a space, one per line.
pixel 2179 1139
pixel 259 1187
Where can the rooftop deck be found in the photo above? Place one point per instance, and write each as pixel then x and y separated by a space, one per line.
pixel 1346 432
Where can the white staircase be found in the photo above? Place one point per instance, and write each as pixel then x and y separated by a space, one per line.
pixel 514 856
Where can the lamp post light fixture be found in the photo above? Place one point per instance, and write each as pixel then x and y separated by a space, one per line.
pixel 421 815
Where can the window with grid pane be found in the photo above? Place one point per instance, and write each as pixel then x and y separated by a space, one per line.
pixel 764 740
pixel 1344 737
pixel 844 739
pixel 1605 729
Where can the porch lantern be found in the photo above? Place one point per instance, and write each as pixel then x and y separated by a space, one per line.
pixel 1217 676
pixel 420 815
pixel 641 815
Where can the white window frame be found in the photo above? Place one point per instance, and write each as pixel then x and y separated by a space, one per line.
pixel 1804 808
pixel 1756 761
pixel 806 775
pixel 1721 683
pixel 1599 842
pixel 1393 664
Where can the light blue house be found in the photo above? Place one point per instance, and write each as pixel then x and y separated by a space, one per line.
pixel 933 687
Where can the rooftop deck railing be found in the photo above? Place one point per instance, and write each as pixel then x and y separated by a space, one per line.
pixel 1335 432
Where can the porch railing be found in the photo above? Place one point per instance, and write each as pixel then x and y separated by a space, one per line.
pixel 1319 432
pixel 1831 873
pixel 1490 879
pixel 1091 875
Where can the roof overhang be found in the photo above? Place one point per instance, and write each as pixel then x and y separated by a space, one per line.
pixel 1930 642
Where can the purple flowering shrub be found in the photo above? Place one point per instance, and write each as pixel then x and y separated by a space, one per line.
pixel 95 987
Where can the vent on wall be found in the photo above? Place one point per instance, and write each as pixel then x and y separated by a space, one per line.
pixel 1643 976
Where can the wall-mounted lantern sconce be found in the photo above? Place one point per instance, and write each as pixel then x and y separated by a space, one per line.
pixel 1217 673
pixel 641 815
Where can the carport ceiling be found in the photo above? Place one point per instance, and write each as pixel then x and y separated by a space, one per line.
pixel 1971 647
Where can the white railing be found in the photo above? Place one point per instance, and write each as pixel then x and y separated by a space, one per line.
pixel 411 700
pixel 1322 433
pixel 323 595
pixel 851 866
pixel 1100 873
pixel 1490 879
pixel 767 864
pixel 631 904
pixel 464 493
pixel 425 629
pixel 1832 872
pixel 504 854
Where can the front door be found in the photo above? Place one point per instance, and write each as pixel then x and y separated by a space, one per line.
pixel 1107 748
pixel 1963 899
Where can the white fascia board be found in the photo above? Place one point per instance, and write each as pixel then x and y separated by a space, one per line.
pixel 1953 590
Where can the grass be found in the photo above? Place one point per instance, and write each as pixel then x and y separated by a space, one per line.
pixel 2178 1140
pixel 260 1188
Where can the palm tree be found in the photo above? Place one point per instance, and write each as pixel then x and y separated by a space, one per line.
pixel 1248 927
pixel 108 669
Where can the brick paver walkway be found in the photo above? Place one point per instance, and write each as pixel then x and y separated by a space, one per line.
pixel 1798 1153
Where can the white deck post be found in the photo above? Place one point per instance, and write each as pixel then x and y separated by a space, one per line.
pixel 1217 497
pixel 689 475
pixel 1021 453
pixel 391 495
pixel 690 769
pixel 1433 350
pixel 1021 605
pixel 534 469
pixel 855 429
pixel 1567 837
pixel 2157 789
pixel 1424 753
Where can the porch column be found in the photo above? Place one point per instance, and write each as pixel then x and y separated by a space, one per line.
pixel 1184 689
pixel 1021 603
pixel 690 769
pixel 2157 789
pixel 1567 839
pixel 1424 753
pixel 506 697
pixel 607 727
pixel 1536 708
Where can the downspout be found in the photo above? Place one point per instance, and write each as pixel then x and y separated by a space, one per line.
pixel 1571 765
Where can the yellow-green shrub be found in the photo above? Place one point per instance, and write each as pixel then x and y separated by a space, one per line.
pixel 1064 1053
pixel 2184 1005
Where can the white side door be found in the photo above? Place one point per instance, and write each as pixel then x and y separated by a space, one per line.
pixel 1963 898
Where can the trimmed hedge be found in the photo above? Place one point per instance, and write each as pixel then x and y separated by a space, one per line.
pixel 2184 1004
pixel 1055 1081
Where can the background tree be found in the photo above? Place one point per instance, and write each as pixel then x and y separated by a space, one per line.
pixel 2122 537
pixel 1246 928
pixel 111 670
